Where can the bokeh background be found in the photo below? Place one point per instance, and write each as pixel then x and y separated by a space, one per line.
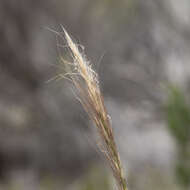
pixel 141 51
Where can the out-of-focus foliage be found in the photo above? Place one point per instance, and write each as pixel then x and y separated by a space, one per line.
pixel 152 178
pixel 178 116
pixel 96 178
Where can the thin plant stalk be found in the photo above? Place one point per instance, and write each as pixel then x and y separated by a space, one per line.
pixel 85 81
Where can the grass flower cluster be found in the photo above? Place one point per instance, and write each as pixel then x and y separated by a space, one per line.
pixel 85 81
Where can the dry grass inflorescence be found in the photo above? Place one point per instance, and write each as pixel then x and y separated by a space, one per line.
pixel 85 81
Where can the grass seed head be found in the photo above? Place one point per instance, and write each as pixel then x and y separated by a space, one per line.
pixel 85 81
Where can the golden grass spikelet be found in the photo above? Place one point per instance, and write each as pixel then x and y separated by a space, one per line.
pixel 85 80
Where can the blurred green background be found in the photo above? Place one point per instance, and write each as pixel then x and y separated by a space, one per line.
pixel 140 49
